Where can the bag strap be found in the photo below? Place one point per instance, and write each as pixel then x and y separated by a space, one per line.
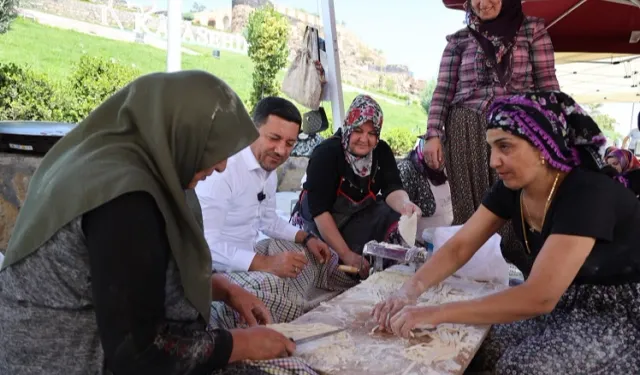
pixel 305 40
pixel 318 44
pixel 311 36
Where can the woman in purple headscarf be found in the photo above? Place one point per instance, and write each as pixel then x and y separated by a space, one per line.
pixel 578 310
pixel 418 180
pixel 624 167
pixel 500 53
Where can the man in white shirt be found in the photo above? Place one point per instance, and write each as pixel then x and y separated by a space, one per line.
pixel 631 141
pixel 240 202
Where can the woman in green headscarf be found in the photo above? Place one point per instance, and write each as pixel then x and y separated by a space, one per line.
pixel 107 269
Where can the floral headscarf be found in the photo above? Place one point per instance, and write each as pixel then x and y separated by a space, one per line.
pixel 555 124
pixel 628 162
pixel 362 109
pixel 497 37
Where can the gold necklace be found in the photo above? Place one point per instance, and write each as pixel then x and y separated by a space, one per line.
pixel 531 227
pixel 544 214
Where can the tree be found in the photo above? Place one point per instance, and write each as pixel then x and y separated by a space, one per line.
pixel 606 123
pixel 427 95
pixel 196 8
pixel 267 34
pixel 594 108
pixel 8 12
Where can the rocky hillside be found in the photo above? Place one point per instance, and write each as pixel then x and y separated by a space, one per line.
pixel 361 65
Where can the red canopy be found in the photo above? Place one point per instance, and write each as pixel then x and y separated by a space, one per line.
pixel 611 26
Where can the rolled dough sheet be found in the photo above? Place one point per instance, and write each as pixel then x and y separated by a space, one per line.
pixel 301 331
pixel 408 226
pixel 326 355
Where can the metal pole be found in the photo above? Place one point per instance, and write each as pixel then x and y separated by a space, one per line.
pixel 633 109
pixel 174 23
pixel 563 15
pixel 333 75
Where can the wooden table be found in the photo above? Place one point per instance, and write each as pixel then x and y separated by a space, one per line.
pixel 359 351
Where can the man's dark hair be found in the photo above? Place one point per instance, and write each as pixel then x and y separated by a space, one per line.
pixel 273 105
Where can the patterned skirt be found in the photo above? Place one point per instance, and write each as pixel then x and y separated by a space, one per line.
pixel 593 330
pixel 466 156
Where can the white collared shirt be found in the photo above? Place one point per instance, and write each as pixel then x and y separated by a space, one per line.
pixel 233 216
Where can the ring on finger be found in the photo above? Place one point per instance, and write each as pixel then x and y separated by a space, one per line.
pixel 295 269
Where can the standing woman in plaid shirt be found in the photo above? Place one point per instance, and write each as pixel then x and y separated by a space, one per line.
pixel 500 53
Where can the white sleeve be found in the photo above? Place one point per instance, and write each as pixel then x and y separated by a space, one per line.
pixel 215 194
pixel 271 224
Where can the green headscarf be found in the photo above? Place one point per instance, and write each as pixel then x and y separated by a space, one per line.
pixel 152 136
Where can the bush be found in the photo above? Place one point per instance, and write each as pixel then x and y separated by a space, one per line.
pixel 427 96
pixel 328 133
pixel 8 12
pixel 25 95
pixel 93 81
pixel 401 140
pixel 267 34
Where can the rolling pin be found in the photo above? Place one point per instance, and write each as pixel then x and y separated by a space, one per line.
pixel 348 269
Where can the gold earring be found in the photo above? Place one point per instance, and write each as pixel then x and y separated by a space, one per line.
pixel 542 161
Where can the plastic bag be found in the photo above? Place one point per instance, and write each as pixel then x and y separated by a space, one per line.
pixel 487 264
pixel 441 218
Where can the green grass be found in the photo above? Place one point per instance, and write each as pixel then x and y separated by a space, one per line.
pixel 55 52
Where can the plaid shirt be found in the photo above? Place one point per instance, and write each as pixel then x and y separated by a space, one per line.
pixel 466 76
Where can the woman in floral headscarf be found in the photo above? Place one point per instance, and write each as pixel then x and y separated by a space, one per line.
pixel 501 52
pixel 353 193
pixel 626 168
pixel 578 311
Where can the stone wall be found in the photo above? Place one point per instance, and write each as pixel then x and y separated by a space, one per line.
pixel 84 11
pixel 15 174
pixel 240 17
pixel 290 173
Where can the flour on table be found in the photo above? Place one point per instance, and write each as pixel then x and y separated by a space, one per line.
pixel 327 354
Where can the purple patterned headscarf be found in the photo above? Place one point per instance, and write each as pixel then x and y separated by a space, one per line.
pixel 555 124
pixel 416 157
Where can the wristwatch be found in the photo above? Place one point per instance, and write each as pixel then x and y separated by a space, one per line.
pixel 307 238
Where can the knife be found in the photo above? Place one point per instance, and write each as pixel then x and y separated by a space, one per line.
pixel 316 337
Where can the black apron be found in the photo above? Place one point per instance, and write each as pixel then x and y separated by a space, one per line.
pixel 358 221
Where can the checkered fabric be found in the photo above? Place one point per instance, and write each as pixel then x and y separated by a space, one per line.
pixel 286 299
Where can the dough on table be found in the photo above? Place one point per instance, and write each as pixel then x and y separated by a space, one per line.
pixel 301 331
